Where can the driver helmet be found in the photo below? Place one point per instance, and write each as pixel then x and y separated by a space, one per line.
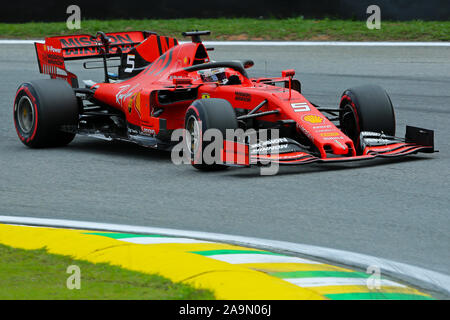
pixel 213 75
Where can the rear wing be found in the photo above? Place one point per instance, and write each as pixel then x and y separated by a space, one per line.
pixel 86 46
pixel 52 54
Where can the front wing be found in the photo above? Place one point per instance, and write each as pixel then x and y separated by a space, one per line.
pixel 375 145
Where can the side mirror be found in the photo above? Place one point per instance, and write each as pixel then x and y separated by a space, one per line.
pixel 288 73
pixel 248 63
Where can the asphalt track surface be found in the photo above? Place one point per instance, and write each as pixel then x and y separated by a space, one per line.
pixel 397 210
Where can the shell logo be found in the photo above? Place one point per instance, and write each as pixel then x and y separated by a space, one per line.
pixel 311 118
pixel 137 103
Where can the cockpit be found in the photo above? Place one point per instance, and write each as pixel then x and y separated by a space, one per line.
pixel 219 76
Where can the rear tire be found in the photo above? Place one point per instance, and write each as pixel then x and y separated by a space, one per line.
pixel 41 108
pixel 202 115
pixel 366 108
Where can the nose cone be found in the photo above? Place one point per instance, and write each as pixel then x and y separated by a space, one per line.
pixel 339 147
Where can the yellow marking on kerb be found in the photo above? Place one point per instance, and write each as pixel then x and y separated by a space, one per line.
pixel 226 280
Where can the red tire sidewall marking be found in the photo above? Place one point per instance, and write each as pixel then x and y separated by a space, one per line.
pixel 196 157
pixel 24 90
pixel 353 106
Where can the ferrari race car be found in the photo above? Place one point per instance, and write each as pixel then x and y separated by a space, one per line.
pixel 161 86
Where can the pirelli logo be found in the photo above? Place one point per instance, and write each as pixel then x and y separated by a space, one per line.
pixel 300 107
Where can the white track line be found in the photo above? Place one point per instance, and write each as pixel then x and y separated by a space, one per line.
pixel 13 41
pixel 330 281
pixel 327 43
pixel 239 258
pixel 157 240
pixel 290 43
pixel 426 279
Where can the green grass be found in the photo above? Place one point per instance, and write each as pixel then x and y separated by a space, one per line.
pixel 249 29
pixel 36 274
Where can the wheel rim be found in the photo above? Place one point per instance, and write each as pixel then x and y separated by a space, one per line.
pixel 25 114
pixel 193 137
pixel 348 123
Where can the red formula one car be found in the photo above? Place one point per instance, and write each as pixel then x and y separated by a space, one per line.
pixel 161 86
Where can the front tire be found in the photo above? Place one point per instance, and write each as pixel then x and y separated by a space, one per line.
pixel 366 108
pixel 41 108
pixel 202 115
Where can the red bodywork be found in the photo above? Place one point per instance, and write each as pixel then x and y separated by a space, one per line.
pixel 168 67
pixel 137 97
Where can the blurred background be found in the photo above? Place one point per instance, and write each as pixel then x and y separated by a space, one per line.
pixel 54 10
